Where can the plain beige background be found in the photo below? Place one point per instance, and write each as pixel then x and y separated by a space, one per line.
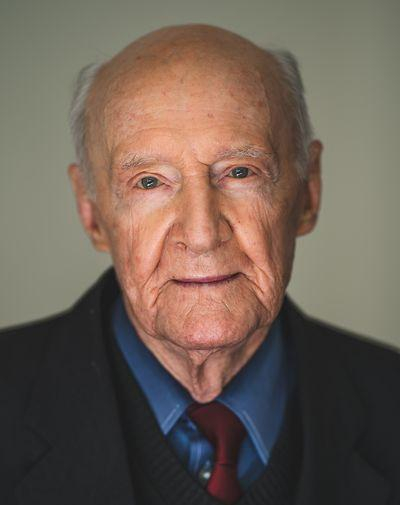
pixel 346 272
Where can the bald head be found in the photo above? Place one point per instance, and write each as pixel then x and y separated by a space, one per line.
pixel 174 66
pixel 188 46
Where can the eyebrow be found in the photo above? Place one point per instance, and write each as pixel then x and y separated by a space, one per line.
pixel 246 151
pixel 137 160
pixel 249 151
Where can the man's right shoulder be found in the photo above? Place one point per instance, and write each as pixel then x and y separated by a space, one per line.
pixel 22 346
pixel 25 344
pixel 22 353
pixel 23 333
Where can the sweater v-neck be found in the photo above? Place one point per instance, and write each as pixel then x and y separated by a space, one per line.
pixel 159 478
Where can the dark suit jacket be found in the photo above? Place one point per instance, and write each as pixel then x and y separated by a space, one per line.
pixel 60 436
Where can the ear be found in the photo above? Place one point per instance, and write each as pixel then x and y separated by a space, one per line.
pixel 87 210
pixel 312 190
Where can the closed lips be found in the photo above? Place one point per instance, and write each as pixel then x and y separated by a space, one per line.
pixel 207 280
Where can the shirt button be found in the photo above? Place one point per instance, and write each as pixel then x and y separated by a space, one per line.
pixel 205 473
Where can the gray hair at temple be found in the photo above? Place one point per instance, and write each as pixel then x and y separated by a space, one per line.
pixel 291 77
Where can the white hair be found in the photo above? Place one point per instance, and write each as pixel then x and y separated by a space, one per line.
pixel 78 118
pixel 303 130
pixel 292 79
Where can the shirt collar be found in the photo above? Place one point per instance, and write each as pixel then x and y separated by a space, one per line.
pixel 266 376
pixel 258 393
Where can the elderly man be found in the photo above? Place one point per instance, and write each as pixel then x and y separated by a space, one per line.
pixel 185 376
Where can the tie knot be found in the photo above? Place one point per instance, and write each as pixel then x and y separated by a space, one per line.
pixel 221 427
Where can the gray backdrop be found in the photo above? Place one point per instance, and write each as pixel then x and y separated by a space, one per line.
pixel 345 272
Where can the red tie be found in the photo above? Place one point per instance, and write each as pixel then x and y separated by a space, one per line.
pixel 226 433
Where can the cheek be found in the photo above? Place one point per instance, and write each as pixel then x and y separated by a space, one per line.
pixel 267 237
pixel 137 241
pixel 258 226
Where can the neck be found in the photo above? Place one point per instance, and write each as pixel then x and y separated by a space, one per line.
pixel 205 372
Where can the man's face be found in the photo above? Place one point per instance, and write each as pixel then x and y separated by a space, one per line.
pixel 198 209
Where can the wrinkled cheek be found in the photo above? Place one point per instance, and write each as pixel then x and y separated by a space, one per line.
pixel 274 260
pixel 133 264
pixel 283 252
pixel 125 254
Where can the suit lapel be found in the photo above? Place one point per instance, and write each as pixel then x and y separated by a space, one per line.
pixel 333 472
pixel 73 437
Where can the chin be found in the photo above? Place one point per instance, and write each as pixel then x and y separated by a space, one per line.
pixel 206 333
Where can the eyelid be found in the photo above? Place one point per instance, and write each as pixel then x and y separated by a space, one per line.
pixel 164 176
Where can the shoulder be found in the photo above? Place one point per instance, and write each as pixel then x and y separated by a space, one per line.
pixel 26 342
pixel 23 348
pixel 372 367
pixel 23 343
pixel 363 352
pixel 28 334
pixel 21 353
pixel 340 343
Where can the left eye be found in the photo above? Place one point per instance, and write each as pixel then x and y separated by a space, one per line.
pixel 239 172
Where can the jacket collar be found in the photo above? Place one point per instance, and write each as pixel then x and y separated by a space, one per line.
pixel 75 441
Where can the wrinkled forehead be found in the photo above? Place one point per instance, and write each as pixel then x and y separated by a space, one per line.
pixel 187 93
pixel 185 82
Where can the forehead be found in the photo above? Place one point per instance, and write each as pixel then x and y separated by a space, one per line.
pixel 211 99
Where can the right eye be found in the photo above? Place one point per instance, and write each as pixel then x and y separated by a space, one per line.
pixel 148 182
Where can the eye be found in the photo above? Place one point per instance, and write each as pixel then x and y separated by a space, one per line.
pixel 239 172
pixel 148 182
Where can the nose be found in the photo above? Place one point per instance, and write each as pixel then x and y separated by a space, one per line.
pixel 203 228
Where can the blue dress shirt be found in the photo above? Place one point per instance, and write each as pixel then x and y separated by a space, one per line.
pixel 257 395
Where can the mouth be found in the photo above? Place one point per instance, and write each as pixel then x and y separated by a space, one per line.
pixel 206 281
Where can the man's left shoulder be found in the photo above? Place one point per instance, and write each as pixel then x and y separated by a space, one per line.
pixel 372 366
pixel 362 349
